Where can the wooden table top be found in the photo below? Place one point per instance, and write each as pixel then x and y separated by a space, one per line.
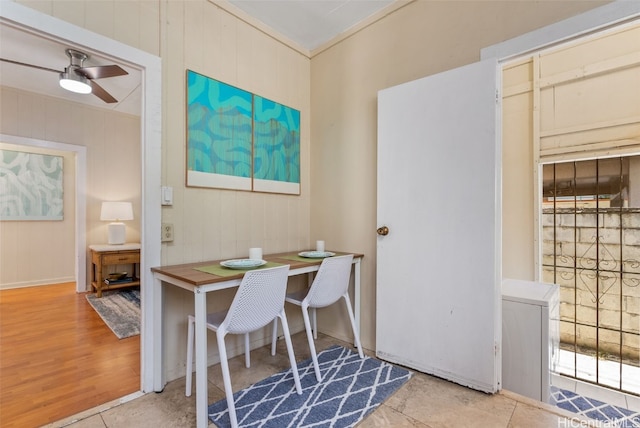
pixel 187 272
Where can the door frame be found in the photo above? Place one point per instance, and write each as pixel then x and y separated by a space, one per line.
pixel 47 26
pixel 583 25
pixel 609 15
pixel 595 20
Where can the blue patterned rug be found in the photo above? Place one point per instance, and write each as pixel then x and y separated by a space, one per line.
pixel 591 408
pixel 120 310
pixel 351 388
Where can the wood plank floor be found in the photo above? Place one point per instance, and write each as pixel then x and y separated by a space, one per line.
pixel 58 358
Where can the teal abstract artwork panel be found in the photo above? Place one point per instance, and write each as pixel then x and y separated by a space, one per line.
pixel 31 186
pixel 219 134
pixel 276 147
pixel 239 140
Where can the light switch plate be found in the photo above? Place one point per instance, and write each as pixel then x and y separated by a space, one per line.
pixel 167 195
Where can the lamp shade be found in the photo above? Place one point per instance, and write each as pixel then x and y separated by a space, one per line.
pixel 116 211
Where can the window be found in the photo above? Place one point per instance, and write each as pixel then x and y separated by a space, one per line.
pixel 591 248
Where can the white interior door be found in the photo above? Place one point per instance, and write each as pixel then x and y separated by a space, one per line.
pixel 438 268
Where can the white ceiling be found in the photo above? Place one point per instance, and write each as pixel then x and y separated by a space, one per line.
pixel 308 23
pixel 311 23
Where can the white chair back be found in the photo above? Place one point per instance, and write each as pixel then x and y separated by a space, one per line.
pixel 259 299
pixel 331 281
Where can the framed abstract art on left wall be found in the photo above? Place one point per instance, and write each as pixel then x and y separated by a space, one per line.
pixel 31 186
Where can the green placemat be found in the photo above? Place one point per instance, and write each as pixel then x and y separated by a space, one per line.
pixel 224 271
pixel 297 258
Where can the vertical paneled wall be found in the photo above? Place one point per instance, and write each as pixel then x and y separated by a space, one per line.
pixel 201 36
pixel 588 96
pixel 208 223
pixel 420 39
pixel 518 243
pixel 572 102
pixel 214 223
pixel 135 23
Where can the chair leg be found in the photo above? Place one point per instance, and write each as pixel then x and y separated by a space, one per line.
pixel 292 357
pixel 356 334
pixel 226 377
pixel 247 351
pixel 189 374
pixel 312 346
pixel 274 336
pixel 314 319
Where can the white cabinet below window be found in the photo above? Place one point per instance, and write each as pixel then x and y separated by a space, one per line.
pixel 530 337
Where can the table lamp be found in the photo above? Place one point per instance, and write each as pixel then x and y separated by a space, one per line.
pixel 116 212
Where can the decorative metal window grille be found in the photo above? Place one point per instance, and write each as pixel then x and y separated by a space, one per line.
pixel 591 248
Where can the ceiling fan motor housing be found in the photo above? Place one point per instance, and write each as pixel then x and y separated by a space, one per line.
pixel 78 56
pixel 70 79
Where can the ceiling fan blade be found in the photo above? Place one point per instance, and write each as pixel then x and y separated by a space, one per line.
pixel 29 65
pixel 101 71
pixel 99 92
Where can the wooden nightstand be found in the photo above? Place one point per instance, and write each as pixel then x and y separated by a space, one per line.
pixel 105 255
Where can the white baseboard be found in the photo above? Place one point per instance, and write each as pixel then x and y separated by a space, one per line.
pixel 23 284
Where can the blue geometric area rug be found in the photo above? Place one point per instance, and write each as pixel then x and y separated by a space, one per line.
pixel 612 416
pixel 351 388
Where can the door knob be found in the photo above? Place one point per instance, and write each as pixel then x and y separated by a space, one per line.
pixel 383 231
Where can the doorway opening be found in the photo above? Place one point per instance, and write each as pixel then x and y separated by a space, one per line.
pixel 46 26
pixel 591 249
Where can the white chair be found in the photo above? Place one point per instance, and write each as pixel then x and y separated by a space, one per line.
pixel 258 301
pixel 330 284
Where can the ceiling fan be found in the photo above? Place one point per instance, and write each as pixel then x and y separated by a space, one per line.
pixel 80 79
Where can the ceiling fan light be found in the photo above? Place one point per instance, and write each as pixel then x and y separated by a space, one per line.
pixel 75 83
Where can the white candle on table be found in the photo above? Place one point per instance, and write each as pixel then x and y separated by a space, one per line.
pixel 255 253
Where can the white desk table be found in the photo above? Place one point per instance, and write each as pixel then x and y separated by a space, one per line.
pixel 200 283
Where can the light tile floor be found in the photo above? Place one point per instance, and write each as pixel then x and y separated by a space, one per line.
pixel 424 401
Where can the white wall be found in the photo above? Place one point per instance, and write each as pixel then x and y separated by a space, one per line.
pixel 24 242
pixel 111 138
pixel 420 39
pixel 208 223
pixel 212 224
pixel 336 94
